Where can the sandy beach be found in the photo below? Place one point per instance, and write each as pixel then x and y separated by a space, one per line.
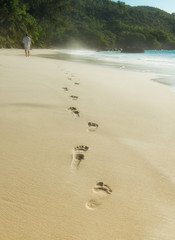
pixel 86 151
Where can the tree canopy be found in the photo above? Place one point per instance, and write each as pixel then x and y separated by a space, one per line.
pixel 99 24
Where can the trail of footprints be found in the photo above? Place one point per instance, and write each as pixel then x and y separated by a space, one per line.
pixel 101 190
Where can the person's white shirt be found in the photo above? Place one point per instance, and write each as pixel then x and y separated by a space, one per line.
pixel 27 42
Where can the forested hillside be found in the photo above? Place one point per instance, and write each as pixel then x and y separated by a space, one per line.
pixel 99 24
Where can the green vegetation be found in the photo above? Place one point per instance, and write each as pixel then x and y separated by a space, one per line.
pixel 98 24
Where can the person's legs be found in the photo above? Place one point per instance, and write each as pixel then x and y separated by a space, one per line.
pixel 26 52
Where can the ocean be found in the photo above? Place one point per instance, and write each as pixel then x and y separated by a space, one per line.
pixel 160 62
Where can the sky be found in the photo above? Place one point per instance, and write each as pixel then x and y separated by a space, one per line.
pixel 166 5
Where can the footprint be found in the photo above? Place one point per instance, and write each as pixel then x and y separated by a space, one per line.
pixel 72 108
pixel 92 126
pixel 73 97
pixel 69 78
pixel 78 155
pixel 92 204
pixel 74 111
pixel 76 83
pixel 102 190
pixel 100 186
pixel 65 89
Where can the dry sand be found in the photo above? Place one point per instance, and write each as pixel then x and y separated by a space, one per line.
pixel 64 179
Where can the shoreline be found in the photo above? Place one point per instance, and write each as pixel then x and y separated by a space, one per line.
pixel 159 76
pixel 87 152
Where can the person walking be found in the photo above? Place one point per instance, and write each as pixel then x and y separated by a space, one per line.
pixel 27 43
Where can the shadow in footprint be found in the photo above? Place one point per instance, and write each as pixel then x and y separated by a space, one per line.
pixel 78 156
pixel 102 191
pixel 65 89
pixel 75 112
pixel 73 97
pixel 76 83
pixel 92 126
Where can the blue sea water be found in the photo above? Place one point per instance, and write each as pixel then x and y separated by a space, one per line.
pixel 160 62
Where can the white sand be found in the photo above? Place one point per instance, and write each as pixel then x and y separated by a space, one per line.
pixel 45 192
